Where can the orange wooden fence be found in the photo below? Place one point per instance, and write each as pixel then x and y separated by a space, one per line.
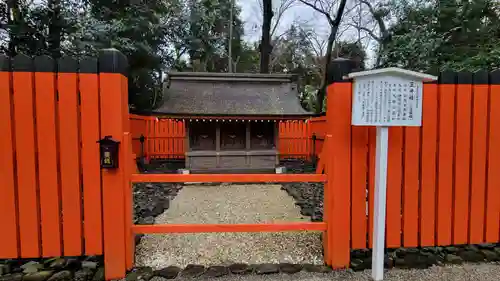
pixel 55 200
pixel 165 138
pixel 443 178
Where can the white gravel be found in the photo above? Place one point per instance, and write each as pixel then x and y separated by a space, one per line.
pixel 230 203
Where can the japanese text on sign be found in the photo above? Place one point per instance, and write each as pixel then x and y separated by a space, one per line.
pixel 382 101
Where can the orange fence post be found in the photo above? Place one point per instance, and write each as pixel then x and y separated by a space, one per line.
pixel 339 122
pixel 69 156
pixel 29 216
pixel 394 187
pixel 493 182
pixel 428 165
pixel 113 93
pixel 89 110
pixel 9 238
pixel 45 97
pixel 462 158
pixel 445 157
pixel 479 157
pixel 358 181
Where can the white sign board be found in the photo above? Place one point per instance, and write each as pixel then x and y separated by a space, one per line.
pixel 383 98
pixel 387 101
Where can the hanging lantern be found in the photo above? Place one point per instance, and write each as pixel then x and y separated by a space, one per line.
pixel 108 152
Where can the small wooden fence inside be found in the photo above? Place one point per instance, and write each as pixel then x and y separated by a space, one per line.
pixel 165 138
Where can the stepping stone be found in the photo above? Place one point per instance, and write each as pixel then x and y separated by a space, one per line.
pixel 267 268
pixel 169 272
pixel 240 268
pixel 290 268
pixel 193 271
pixel 216 271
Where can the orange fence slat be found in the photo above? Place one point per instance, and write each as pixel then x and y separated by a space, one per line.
pixel 8 215
pixel 394 187
pixel 339 98
pixel 445 163
pixel 478 164
pixel 462 164
pixel 493 184
pixel 69 159
pixel 47 158
pixel 428 165
pixel 411 186
pixel 372 142
pixel 358 180
pixel 89 110
pixel 29 217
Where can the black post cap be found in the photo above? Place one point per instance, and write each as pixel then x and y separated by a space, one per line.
pixel 45 64
pixel 495 77
pixel 88 65
pixel 4 63
pixel 112 61
pixel 22 63
pixel 481 77
pixel 339 68
pixel 447 77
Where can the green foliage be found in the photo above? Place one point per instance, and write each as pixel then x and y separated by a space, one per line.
pixel 445 35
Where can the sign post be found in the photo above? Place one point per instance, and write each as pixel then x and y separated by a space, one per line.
pixel 384 98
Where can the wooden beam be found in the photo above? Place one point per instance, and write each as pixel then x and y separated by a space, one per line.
pixel 205 228
pixel 235 178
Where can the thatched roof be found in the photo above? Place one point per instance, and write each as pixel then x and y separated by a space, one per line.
pixel 234 94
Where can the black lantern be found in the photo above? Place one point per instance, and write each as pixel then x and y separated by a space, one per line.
pixel 109 152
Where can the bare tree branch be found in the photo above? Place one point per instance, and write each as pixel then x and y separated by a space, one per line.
pixel 319 9
pixel 370 32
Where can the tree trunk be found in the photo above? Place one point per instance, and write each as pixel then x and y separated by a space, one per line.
pixel 265 44
pixel 14 23
pixel 55 28
pixel 334 27
pixel 230 47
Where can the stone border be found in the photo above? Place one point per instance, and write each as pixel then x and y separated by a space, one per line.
pixel 194 271
pixel 406 258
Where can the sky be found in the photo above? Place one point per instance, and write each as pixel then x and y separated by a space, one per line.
pixel 251 15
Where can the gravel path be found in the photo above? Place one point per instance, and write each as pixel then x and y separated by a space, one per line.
pixel 229 203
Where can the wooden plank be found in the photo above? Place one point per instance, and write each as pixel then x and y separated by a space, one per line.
pixel 428 165
pixel 478 164
pixel 48 175
pixel 206 228
pixel 394 187
pixel 462 159
pixel 9 235
pixel 69 157
pixel 372 142
pixel 125 160
pixel 358 180
pixel 113 92
pixel 327 201
pixel 29 216
pixel 411 186
pixel 340 95
pixel 445 157
pixel 493 193
pixel 228 178
pixel 89 110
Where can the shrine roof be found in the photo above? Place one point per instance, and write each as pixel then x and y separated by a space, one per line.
pixel 230 94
